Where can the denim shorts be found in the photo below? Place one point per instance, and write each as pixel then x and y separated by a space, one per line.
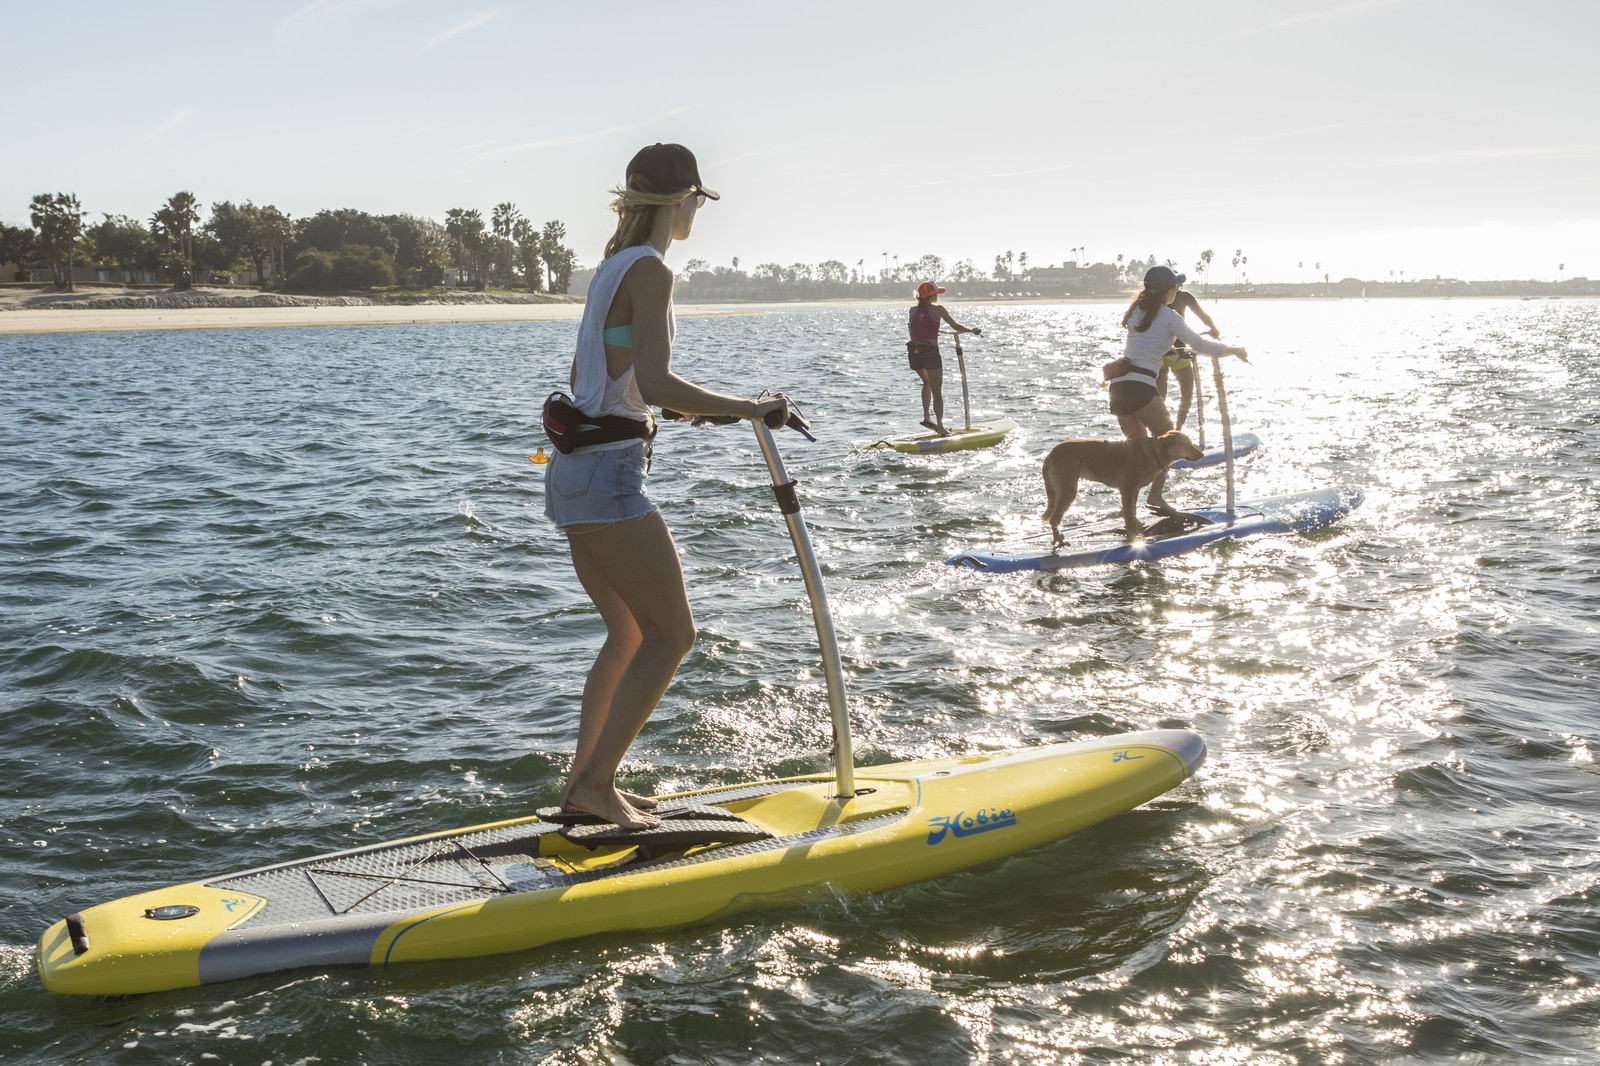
pixel 602 485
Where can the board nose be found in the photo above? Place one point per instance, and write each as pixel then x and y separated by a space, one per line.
pixel 1187 745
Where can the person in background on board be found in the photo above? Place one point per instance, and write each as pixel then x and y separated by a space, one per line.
pixel 622 551
pixel 1152 327
pixel 923 351
pixel 1180 362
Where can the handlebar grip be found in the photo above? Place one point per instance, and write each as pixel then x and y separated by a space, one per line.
pixel 773 419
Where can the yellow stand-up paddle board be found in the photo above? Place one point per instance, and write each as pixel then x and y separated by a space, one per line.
pixel 981 436
pixel 519 884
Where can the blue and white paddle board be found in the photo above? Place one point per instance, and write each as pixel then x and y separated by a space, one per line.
pixel 1299 513
pixel 1243 444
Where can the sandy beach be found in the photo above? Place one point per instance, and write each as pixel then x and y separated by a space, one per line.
pixel 87 321
pixel 110 311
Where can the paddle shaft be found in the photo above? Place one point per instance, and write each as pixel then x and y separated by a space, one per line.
pixel 789 505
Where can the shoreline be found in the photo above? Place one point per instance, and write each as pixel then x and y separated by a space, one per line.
pixel 214 309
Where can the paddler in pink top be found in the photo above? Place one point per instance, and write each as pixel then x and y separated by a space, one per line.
pixel 923 351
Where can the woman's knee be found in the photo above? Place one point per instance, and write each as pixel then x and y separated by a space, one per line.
pixel 674 636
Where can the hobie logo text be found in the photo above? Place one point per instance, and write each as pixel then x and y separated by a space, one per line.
pixel 959 825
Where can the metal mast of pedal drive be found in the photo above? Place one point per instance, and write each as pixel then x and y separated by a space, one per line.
pixel 966 408
pixel 1227 428
pixel 789 505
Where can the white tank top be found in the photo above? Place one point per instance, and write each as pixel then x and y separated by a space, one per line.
pixel 594 391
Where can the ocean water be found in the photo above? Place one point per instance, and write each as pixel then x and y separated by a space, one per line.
pixel 270 593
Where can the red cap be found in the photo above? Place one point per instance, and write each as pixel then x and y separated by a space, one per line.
pixel 928 288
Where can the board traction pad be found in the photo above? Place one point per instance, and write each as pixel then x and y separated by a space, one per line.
pixel 449 868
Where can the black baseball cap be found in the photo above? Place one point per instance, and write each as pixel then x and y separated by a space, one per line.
pixel 668 168
pixel 1162 277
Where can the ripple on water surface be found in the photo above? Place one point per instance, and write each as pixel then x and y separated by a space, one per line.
pixel 270 593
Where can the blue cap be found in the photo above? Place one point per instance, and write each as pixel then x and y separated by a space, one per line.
pixel 1162 277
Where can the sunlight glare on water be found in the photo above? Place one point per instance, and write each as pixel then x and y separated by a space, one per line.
pixel 279 592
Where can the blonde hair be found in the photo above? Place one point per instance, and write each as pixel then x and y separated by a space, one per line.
pixel 636 210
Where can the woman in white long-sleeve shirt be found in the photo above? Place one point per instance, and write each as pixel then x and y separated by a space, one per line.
pixel 1152 326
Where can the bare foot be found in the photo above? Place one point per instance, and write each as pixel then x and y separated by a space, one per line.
pixel 638 802
pixel 609 804
pixel 633 799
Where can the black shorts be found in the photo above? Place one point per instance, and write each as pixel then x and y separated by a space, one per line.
pixel 1129 396
pixel 924 355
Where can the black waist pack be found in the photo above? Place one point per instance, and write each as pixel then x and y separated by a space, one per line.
pixel 569 428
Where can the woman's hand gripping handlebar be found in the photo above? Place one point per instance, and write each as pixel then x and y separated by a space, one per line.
pixel 776 412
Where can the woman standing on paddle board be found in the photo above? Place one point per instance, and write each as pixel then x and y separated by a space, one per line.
pixel 1152 327
pixel 1178 361
pixel 923 351
pixel 594 492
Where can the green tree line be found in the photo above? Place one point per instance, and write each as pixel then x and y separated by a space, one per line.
pixel 331 251
pixel 890 277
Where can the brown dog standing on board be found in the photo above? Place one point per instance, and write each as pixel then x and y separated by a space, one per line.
pixel 1125 465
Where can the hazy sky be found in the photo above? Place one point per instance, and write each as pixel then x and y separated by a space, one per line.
pixel 1372 136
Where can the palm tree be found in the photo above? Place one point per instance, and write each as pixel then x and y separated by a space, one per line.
pixel 557 257
pixel 59 220
pixel 455 226
pixel 526 239
pixel 1205 257
pixel 504 219
pixel 184 209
